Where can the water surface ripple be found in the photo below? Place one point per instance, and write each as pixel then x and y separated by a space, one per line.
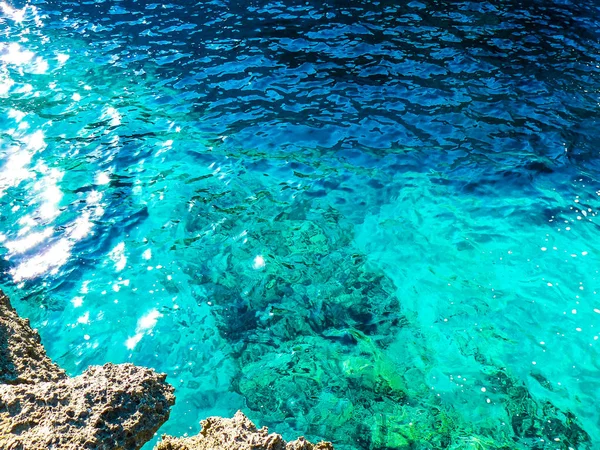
pixel 367 222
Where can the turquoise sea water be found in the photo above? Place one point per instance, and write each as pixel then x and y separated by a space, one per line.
pixel 368 222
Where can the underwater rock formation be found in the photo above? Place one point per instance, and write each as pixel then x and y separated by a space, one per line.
pixel 238 433
pixel 327 343
pixel 109 407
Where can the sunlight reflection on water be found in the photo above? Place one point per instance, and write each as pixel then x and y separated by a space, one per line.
pixel 42 249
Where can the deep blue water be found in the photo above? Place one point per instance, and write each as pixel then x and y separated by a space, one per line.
pixel 368 222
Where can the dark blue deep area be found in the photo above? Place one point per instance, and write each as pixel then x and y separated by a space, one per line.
pixel 512 84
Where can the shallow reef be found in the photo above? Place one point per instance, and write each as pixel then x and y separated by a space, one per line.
pixel 323 341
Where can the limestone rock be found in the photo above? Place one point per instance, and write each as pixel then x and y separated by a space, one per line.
pixel 109 407
pixel 238 433
pixel 22 356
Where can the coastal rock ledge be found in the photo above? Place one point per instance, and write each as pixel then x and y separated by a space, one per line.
pixel 110 407
pixel 116 406
pixel 238 433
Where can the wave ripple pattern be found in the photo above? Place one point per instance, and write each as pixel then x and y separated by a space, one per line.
pixel 369 222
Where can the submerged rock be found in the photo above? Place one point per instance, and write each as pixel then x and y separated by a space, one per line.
pixel 238 433
pixel 109 407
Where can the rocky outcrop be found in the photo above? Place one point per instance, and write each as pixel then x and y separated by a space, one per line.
pixel 238 433
pixel 113 407
pixel 22 356
pixel 109 407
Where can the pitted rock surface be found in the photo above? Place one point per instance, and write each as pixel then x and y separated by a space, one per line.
pixel 110 407
pixel 238 433
pixel 22 356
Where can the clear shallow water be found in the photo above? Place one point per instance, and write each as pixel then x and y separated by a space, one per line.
pixel 373 223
